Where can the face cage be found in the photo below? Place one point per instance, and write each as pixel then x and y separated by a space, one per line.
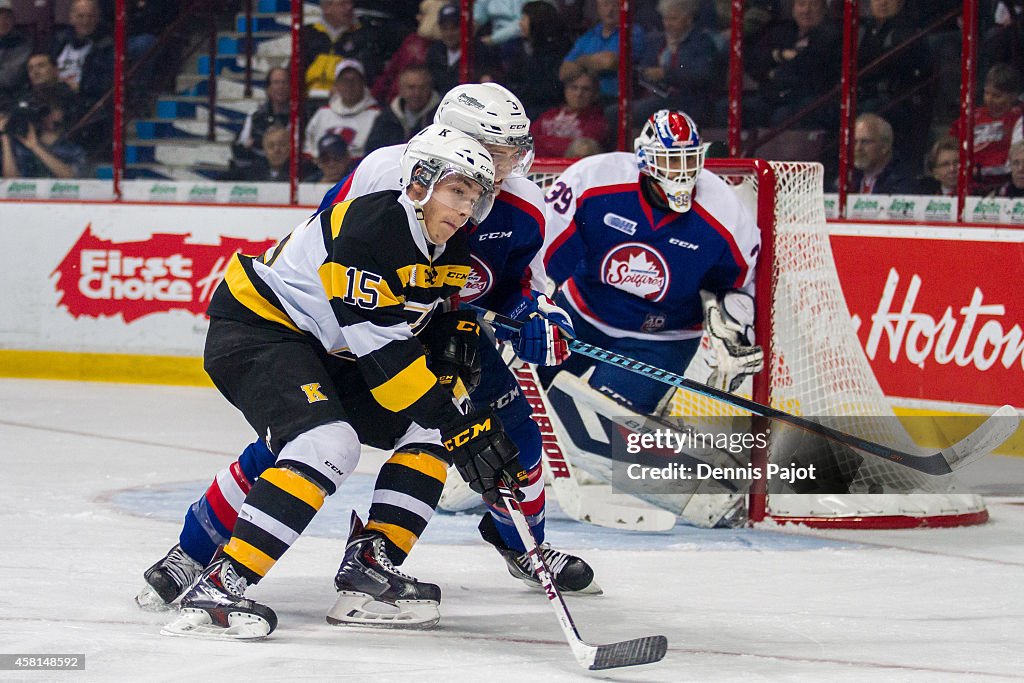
pixel 676 181
pixel 430 178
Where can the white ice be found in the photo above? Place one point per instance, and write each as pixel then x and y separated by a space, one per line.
pixel 94 479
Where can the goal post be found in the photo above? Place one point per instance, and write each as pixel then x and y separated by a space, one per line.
pixel 815 365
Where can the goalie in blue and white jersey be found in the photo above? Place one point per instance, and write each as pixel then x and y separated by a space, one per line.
pixel 650 249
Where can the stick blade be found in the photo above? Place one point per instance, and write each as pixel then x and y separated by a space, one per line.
pixel 999 427
pixel 630 653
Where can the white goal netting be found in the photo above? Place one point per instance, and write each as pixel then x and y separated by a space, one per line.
pixel 816 366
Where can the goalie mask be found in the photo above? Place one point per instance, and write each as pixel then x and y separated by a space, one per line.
pixel 669 150
pixel 438 153
pixel 495 117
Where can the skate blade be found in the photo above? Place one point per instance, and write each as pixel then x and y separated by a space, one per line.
pixel 592 589
pixel 149 600
pixel 196 623
pixel 360 609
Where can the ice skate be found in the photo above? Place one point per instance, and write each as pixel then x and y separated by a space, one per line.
pixel 216 608
pixel 372 592
pixel 571 574
pixel 166 580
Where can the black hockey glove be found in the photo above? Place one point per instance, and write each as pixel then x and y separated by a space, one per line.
pixel 484 454
pixel 453 343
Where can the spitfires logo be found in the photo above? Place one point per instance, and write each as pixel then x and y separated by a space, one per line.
pixel 637 269
pixel 479 281
pixel 103 278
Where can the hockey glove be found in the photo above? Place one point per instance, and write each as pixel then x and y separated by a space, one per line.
pixel 542 339
pixel 484 454
pixel 453 343
pixel 729 349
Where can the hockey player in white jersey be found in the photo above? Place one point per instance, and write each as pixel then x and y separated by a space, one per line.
pixel 650 250
pixel 507 275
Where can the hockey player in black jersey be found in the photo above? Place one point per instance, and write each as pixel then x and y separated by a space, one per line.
pixel 315 342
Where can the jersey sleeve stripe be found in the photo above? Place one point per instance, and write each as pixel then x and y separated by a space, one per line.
pixel 366 337
pixel 337 216
pixel 406 387
pixel 734 249
pixel 335 280
pixel 247 288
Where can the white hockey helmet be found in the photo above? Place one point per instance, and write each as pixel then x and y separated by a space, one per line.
pixel 670 150
pixel 494 116
pixel 439 151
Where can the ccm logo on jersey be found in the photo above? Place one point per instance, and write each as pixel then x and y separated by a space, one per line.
pixel 494 236
pixel 471 432
pixel 620 223
pixel 683 243
pixel 636 269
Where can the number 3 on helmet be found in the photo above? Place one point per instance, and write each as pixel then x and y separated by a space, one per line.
pixel 669 149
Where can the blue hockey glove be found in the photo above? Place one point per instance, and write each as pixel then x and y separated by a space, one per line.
pixel 541 340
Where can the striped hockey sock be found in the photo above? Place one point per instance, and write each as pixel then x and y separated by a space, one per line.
pixel 404 498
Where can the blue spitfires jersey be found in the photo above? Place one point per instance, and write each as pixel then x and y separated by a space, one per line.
pixel 505 250
pixel 632 270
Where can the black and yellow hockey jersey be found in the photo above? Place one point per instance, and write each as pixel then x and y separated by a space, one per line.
pixel 362 279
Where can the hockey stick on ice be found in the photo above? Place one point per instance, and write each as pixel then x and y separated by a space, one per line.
pixel 994 431
pixel 564 482
pixel 644 650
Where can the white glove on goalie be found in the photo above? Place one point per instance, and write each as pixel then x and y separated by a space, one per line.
pixel 730 351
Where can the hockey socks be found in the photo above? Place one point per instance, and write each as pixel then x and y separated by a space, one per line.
pixel 404 499
pixel 210 520
pixel 533 508
pixel 275 513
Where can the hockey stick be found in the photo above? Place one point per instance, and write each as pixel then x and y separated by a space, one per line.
pixel 644 650
pixel 564 482
pixel 992 432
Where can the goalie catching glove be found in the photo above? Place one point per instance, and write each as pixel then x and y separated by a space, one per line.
pixel 541 340
pixel 484 454
pixel 730 352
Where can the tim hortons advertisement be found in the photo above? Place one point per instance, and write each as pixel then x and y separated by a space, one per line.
pixel 939 319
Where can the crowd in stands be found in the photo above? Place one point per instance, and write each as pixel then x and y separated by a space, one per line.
pixel 369 82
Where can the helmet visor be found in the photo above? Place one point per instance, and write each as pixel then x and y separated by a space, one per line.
pixel 470 196
pixel 511 161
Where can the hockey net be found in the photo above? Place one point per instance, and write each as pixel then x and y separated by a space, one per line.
pixel 816 366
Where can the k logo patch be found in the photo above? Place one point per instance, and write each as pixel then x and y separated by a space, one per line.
pixel 313 393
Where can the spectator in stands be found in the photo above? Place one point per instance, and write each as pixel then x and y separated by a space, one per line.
pixel 34 144
pixel 273 165
pixel 350 112
pixel 580 116
pixel 529 67
pixel 498 20
pixel 443 55
pixel 794 63
pixel 275 111
pixel 993 127
pixel 597 51
pixel 1014 187
pixel 408 113
pixel 338 36
pixel 332 160
pixel 145 20
pixel 876 170
pixel 898 89
pixel 412 51
pixel 84 55
pixel 583 147
pixel 44 77
pixel 942 166
pixel 680 65
pixel 14 52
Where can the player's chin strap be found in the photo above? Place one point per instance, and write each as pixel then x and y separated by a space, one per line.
pixel 993 432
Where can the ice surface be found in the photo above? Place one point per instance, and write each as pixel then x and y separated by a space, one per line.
pixel 94 479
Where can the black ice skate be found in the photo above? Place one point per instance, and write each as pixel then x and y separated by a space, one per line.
pixel 216 607
pixel 571 574
pixel 172 575
pixel 372 592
